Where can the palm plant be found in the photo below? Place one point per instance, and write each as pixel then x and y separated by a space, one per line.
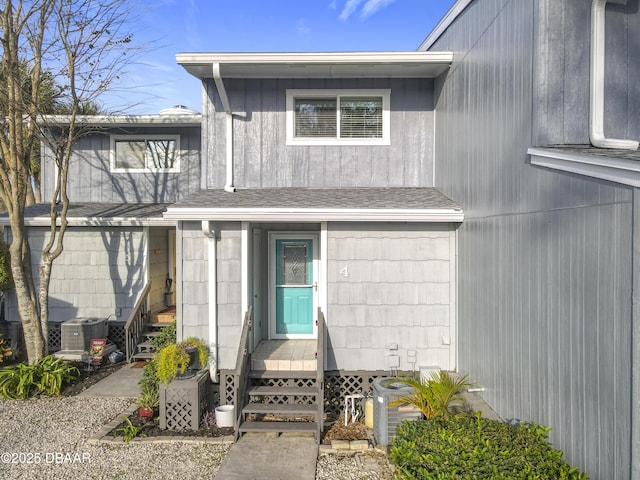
pixel 436 396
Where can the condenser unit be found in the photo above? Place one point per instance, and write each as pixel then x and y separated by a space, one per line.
pixel 76 334
pixel 385 418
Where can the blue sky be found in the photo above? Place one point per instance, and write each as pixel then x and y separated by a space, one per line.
pixel 176 26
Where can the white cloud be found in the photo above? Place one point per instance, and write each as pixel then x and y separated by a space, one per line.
pixel 301 26
pixel 350 7
pixel 372 6
pixel 333 5
pixel 369 8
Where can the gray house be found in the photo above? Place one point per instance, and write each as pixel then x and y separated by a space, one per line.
pixel 335 217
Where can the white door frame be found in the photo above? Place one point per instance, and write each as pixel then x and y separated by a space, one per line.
pixel 302 235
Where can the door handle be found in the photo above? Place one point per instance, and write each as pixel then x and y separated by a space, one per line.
pixel 315 286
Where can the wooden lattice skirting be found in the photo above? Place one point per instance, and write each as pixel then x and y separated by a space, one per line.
pixel 337 385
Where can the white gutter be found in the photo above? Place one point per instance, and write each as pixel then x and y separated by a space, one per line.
pixel 597 72
pixel 306 215
pixel 210 233
pixel 229 139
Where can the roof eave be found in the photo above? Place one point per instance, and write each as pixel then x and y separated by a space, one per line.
pixel 317 64
pixel 313 215
pixel 126 120
pixel 95 222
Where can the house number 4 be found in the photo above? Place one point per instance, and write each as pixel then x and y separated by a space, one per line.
pixel 345 272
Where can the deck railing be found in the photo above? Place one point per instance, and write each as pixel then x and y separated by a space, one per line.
pixel 242 371
pixel 320 373
pixel 136 323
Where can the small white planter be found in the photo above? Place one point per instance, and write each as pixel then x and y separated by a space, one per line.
pixel 224 416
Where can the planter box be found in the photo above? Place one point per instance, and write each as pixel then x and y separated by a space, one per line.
pixel 183 402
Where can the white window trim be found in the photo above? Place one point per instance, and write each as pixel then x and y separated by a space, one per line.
pixel 133 138
pixel 292 94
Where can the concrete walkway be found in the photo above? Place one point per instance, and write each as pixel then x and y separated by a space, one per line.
pixel 122 383
pixel 260 457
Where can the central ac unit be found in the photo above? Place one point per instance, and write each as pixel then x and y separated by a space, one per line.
pixel 385 418
pixel 77 333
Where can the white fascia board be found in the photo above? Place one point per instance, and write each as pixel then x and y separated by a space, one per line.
pixel 125 120
pixel 311 58
pixel 318 65
pixel 313 215
pixel 96 222
pixel 619 170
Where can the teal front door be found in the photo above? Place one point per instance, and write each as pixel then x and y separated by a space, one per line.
pixel 294 287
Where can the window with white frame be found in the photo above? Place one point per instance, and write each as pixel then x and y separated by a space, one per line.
pixel 157 153
pixel 337 117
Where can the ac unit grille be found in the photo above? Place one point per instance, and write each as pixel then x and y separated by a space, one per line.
pixel 77 334
pixel 386 419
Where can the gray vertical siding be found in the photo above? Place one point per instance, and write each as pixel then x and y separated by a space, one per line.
pixel 544 259
pixel 398 292
pixel 262 159
pixel 90 178
pixel 97 273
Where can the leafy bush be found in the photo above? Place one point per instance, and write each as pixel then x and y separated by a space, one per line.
pixel 436 397
pixel 45 377
pixel 166 337
pixel 474 447
pixel 128 431
pixel 149 381
pixel 174 359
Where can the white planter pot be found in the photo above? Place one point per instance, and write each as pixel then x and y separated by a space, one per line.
pixel 224 416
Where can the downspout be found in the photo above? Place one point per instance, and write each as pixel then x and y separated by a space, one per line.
pixel 635 339
pixel 229 114
pixel 210 233
pixel 597 71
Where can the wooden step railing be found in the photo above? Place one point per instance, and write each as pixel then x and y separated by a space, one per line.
pixel 136 323
pixel 242 371
pixel 320 374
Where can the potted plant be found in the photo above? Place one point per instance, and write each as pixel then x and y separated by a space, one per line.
pixel 148 401
pixel 174 359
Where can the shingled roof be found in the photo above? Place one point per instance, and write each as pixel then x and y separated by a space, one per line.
pixel 318 204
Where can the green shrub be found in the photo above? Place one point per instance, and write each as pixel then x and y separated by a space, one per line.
pixel 149 382
pixel 45 377
pixel 174 359
pixel 474 447
pixel 166 337
pixel 435 397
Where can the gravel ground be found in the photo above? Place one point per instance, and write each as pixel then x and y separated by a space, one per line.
pixel 45 439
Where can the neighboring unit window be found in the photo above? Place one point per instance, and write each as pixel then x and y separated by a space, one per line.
pixel 337 117
pixel 145 154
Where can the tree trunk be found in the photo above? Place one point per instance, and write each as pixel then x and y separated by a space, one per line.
pixel 34 338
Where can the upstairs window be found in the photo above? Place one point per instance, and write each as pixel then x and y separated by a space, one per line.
pixel 337 117
pixel 149 153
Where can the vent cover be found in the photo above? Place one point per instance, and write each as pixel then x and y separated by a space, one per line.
pixel 77 333
pixel 386 419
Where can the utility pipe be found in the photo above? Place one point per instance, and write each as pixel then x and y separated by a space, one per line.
pixel 217 77
pixel 210 233
pixel 597 72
